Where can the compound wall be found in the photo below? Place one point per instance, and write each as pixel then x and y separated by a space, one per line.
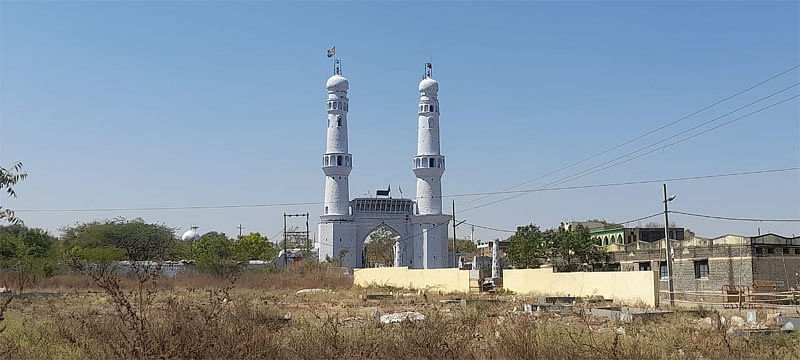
pixel 445 280
pixel 621 286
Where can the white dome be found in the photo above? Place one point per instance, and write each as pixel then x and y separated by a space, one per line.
pixel 428 86
pixel 337 83
pixel 190 235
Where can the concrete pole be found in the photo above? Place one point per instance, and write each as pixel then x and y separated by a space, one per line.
pixel 495 258
pixel 668 249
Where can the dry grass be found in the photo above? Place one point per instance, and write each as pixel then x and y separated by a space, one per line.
pixel 301 276
pixel 199 318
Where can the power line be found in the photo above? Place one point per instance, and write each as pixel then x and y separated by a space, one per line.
pixel 620 223
pixel 199 207
pixel 637 182
pixel 670 144
pixel 733 218
pixel 491 228
pixel 589 170
pixel 641 218
pixel 651 131
pixel 694 128
pixel 523 191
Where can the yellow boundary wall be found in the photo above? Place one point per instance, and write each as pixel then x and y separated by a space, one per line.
pixel 621 286
pixel 445 280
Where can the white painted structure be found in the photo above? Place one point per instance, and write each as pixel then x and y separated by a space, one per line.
pixel 419 226
pixel 191 234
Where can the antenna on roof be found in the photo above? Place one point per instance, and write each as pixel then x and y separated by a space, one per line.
pixel 428 70
pixel 337 67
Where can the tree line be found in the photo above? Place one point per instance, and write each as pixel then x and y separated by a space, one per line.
pixel 29 254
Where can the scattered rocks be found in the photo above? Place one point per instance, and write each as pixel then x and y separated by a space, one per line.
pixel 737 321
pixel 5 290
pixel 620 331
pixel 706 322
pixel 787 327
pixel 401 316
pixel 311 291
pixel 751 317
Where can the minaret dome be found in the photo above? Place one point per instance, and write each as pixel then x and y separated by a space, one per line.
pixel 337 83
pixel 428 86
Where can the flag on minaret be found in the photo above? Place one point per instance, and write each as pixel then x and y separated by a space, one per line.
pixel 332 51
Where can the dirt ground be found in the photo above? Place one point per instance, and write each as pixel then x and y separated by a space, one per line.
pixel 272 316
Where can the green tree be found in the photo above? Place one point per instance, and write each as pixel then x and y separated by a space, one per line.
pixel 8 178
pixel 379 249
pixel 526 248
pixel 214 252
pixel 139 240
pixel 462 246
pixel 27 254
pixel 569 250
pixel 253 246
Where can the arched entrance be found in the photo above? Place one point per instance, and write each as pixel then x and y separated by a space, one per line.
pixel 422 242
pixel 379 247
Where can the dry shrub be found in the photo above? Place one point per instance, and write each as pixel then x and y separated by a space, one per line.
pixel 180 329
pixel 437 337
pixel 306 274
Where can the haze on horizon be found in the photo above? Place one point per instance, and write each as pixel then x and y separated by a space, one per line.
pixel 143 104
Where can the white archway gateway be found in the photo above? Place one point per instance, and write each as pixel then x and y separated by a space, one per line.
pixel 420 224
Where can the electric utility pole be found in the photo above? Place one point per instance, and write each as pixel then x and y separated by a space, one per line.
pixel 668 248
pixel 455 261
pixel 240 227
pixel 285 256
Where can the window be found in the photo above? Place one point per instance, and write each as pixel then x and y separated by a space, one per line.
pixel 433 162
pixel 339 160
pixel 339 122
pixel 340 105
pixel 326 209
pixel 644 266
pixel 662 269
pixel 424 162
pixel 701 269
pixel 432 108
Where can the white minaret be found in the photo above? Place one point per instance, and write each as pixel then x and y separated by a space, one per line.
pixel 337 162
pixel 429 163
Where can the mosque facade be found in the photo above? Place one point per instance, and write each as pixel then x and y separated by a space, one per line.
pixel 419 227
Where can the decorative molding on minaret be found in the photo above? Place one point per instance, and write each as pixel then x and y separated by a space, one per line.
pixel 429 163
pixel 337 162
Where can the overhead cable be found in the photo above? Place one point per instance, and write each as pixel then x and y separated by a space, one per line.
pixel 733 218
pixel 651 131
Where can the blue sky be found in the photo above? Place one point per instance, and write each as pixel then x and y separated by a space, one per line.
pixel 149 104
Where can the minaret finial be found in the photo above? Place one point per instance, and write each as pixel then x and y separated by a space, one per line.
pixel 428 70
pixel 337 67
